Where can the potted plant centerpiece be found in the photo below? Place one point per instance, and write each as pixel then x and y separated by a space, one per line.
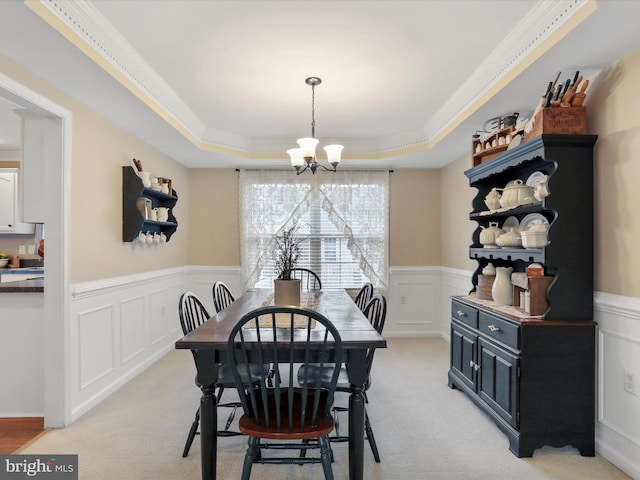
pixel 286 289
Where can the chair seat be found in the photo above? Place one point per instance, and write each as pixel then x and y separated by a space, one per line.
pixel 225 375
pixel 312 428
pixel 313 370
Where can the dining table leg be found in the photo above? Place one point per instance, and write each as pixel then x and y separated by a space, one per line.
pixel 207 377
pixel 356 368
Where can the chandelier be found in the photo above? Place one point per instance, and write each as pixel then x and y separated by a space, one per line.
pixel 304 157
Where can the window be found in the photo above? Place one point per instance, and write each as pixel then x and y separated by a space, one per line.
pixel 344 218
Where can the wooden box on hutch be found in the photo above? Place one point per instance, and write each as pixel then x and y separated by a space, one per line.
pixel 562 120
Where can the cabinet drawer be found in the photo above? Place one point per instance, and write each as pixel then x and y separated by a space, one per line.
pixel 500 330
pixel 464 313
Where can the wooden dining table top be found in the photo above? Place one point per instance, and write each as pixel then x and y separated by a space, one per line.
pixel 335 304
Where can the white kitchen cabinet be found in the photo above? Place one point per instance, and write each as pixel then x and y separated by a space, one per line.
pixel 10 213
pixel 41 147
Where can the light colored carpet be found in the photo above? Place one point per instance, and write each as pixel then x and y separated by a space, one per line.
pixel 424 430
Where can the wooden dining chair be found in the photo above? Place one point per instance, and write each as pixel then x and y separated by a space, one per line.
pixel 278 417
pixel 309 280
pixel 364 295
pixel 192 314
pixel 376 312
pixel 222 296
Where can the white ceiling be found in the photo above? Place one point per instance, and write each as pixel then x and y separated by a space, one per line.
pixel 221 83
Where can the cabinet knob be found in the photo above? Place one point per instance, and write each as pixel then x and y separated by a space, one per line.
pixel 476 367
pixel 493 328
pixel 461 313
pixel 471 363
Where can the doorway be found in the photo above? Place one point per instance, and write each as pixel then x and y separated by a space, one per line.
pixel 56 216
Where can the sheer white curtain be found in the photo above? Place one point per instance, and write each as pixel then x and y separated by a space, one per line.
pixel 356 203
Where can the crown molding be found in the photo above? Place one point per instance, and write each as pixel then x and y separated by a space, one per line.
pixel 82 24
pixel 535 34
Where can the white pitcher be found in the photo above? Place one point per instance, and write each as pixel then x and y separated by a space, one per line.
pixel 502 290
pixel 146 179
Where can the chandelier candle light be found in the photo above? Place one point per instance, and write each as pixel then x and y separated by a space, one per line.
pixel 304 158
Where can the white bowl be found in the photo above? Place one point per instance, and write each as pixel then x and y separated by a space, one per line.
pixel 533 239
pixel 3 262
pixel 509 240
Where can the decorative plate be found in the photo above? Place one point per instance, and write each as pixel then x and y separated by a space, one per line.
pixel 511 222
pixel 517 140
pixel 532 219
pixel 535 178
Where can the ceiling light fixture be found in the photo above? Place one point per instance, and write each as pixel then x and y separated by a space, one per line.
pixel 304 157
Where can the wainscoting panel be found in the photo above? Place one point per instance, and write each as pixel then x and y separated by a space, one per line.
pixel 411 302
pixel 133 335
pixel 163 318
pixel 618 418
pixel 96 344
pixel 120 326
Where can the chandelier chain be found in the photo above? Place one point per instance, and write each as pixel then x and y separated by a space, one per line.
pixel 313 111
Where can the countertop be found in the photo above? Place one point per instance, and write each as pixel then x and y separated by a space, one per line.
pixel 23 286
pixel 34 285
pixel 22 271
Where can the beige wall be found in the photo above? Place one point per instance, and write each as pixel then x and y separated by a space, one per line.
pixel 414 211
pixel 99 149
pixel 213 217
pixel 613 114
pixel 456 229
pixel 414 218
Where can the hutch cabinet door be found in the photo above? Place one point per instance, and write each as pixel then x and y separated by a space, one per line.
pixel 463 355
pixel 498 382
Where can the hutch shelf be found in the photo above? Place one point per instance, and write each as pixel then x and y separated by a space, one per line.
pixel 534 375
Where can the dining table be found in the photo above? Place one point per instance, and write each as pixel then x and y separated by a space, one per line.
pixel 209 344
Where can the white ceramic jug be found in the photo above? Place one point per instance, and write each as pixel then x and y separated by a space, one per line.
pixel 502 290
pixel 163 214
pixel 146 179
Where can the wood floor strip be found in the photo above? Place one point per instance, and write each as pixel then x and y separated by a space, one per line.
pixel 16 432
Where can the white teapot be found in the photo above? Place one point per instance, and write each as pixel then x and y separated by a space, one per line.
pixel 489 235
pixel 492 200
pixel 516 193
